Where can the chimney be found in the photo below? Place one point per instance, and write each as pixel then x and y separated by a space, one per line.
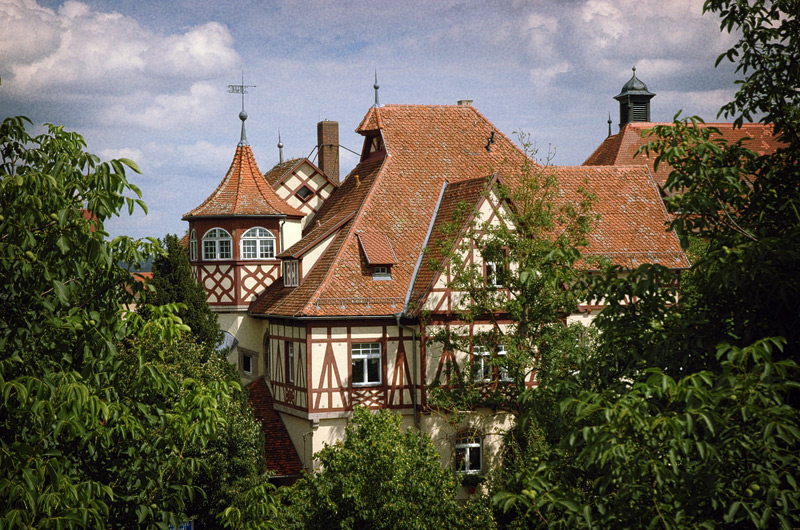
pixel 328 146
pixel 464 102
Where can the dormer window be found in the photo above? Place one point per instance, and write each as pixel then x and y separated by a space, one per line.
pixel 376 144
pixel 258 243
pixel 304 193
pixel 378 254
pixel 217 244
pixel 381 272
pixel 291 273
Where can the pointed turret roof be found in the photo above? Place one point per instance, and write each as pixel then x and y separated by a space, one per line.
pixel 244 192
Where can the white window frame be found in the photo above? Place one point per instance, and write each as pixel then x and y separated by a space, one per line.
pixel 291 273
pixel 481 359
pixel 364 354
pixel 193 245
pixel 465 449
pixel 492 276
pixel 382 272
pixel 505 374
pixel 257 243
pixel 217 245
pixel 484 368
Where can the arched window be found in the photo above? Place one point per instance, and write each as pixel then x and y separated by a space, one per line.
pixel 193 246
pixel 258 243
pixel 217 244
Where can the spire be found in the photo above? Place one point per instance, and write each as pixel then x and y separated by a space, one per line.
pixel 241 89
pixel 376 86
pixel 609 123
pixel 280 148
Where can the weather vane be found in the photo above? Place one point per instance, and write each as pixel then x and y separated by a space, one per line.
pixel 241 89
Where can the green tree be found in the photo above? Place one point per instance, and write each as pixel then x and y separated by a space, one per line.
pixel 380 477
pixel 83 443
pixel 534 254
pixel 233 464
pixel 538 279
pixel 173 282
pixel 687 417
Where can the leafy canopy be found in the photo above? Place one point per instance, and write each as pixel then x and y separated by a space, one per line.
pixel 91 437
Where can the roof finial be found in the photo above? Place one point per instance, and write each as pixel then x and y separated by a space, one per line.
pixel 241 89
pixel 376 86
pixel 280 147
pixel 609 123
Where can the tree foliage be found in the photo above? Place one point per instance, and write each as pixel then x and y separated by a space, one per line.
pixel 233 467
pixel 173 282
pixel 381 476
pixel 687 415
pixel 85 440
pixel 533 285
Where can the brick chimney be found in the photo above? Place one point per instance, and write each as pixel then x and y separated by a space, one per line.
pixel 328 146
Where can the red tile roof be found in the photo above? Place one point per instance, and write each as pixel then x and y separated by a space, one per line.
pixel 451 221
pixel 243 192
pixel 377 248
pixel 281 456
pixel 633 220
pixel 397 195
pixel 620 149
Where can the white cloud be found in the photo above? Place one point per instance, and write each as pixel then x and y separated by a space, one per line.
pixel 168 111
pixel 82 51
pixel 29 32
pixel 130 153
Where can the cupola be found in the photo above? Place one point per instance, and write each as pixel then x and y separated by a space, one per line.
pixel 634 101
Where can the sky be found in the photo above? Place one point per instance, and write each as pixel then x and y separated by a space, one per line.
pixel 147 79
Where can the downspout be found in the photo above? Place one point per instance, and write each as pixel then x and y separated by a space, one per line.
pixel 404 313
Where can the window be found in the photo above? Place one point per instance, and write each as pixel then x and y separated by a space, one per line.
pixel 505 375
pixel 482 363
pixel 217 244
pixel 468 455
pixel 193 246
pixel 247 364
pixel 381 272
pixel 290 362
pixel 304 193
pixel 494 274
pixel 367 364
pixel 258 243
pixel 290 273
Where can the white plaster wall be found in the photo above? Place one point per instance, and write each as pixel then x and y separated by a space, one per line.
pixel 311 257
pixel 292 232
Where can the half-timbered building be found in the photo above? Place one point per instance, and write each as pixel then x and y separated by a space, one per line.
pixel 326 305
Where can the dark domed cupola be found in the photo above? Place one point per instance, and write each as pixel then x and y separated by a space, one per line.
pixel 634 101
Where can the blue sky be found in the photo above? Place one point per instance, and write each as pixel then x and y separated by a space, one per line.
pixel 148 80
